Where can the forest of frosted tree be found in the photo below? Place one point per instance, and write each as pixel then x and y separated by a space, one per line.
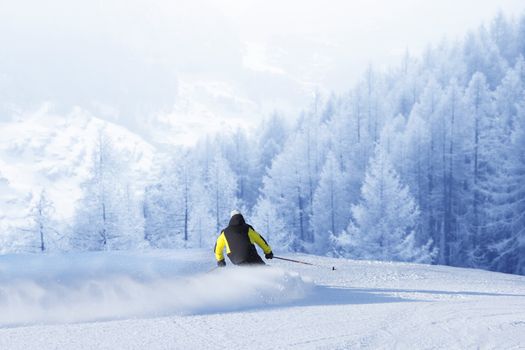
pixel 423 162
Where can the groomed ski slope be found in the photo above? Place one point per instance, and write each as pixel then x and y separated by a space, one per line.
pixel 169 300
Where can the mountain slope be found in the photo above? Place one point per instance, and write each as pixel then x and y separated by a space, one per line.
pixel 52 152
pixel 359 305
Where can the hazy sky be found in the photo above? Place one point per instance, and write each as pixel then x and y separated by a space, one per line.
pixel 197 65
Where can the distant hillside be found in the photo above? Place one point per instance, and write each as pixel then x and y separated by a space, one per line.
pixel 51 152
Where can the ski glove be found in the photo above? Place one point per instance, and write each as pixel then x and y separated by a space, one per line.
pixel 269 255
pixel 221 263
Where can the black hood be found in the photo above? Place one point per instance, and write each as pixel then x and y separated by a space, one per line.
pixel 237 220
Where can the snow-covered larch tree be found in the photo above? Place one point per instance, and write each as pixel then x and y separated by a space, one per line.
pixel 43 227
pixel 385 221
pixel 268 223
pixel 202 224
pixel 222 188
pixel 103 208
pixel 330 205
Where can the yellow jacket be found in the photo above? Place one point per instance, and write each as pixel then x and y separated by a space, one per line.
pixel 239 244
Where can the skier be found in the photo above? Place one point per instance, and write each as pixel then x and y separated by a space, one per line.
pixel 238 238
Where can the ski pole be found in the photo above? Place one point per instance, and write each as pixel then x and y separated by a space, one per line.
pixel 300 262
pixel 292 260
pixel 215 268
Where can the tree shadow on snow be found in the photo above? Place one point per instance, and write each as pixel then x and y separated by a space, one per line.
pixel 332 296
pixel 318 296
pixel 323 295
pixel 326 296
pixel 442 292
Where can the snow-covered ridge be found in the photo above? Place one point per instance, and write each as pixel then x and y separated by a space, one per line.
pixel 43 150
pixel 82 287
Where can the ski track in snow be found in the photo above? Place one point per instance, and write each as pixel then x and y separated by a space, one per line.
pixel 169 301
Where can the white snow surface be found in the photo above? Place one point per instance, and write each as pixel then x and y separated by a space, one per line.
pixel 174 299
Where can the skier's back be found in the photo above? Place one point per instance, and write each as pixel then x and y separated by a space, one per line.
pixel 238 239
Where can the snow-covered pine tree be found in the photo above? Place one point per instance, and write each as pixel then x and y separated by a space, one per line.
pixel 130 220
pixel 384 222
pixel 270 137
pixel 154 212
pixel 202 224
pixel 330 204
pixel 268 223
pixel 517 243
pixel 506 194
pixel 168 202
pixel 350 142
pixel 480 54
pixel 480 118
pixel 179 196
pixel 415 164
pixel 42 229
pixel 286 187
pixel 422 150
pixel 449 167
pixel 221 184
pixel 102 210
pixel 238 152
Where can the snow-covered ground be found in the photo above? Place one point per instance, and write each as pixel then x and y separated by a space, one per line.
pixel 171 300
